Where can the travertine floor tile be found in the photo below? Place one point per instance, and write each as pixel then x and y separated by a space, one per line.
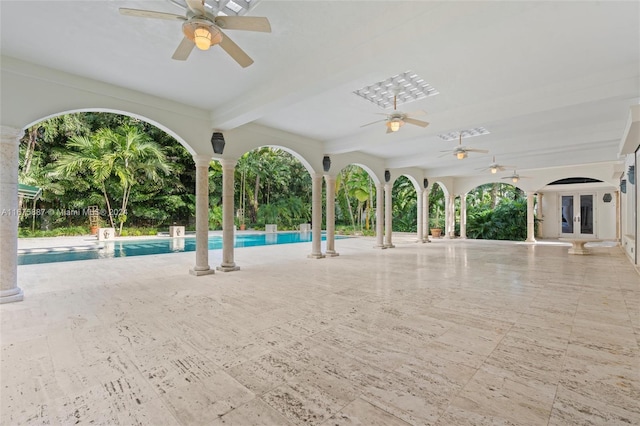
pixel 449 333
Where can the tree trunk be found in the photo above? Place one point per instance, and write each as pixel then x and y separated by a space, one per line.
pixel 494 195
pixel 346 196
pixel 106 198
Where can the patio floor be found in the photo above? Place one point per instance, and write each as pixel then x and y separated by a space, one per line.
pixel 447 333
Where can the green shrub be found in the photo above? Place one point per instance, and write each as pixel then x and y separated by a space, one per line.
pixel 138 232
pixel 508 221
pixel 58 232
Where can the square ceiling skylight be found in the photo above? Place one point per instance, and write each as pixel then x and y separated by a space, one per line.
pixel 408 87
pixel 224 7
pixel 468 133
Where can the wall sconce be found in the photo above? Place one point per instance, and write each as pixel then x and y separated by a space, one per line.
pixel 387 176
pixel 326 163
pixel 425 183
pixel 217 142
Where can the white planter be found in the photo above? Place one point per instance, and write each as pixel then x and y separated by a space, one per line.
pixel 105 234
pixel 176 231
pixel 270 229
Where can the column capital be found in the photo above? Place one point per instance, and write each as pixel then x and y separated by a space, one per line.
pixel 10 134
pixel 202 160
pixel 228 163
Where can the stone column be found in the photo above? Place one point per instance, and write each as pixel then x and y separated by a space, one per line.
pixel 331 215
pixel 380 216
pixel 316 217
pixel 9 143
pixel 228 264
pixel 530 219
pixel 202 216
pixel 463 215
pixel 419 212
pixel 388 218
pixel 539 212
pixel 447 215
pixel 425 215
pixel 452 219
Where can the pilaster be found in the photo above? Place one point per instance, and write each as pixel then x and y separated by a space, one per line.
pixel 9 143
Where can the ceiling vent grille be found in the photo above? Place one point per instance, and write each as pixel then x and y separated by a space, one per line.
pixel 408 87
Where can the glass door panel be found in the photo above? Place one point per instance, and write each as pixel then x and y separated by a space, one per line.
pixel 586 214
pixel 566 214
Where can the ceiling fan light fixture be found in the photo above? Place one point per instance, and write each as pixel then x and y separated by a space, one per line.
pixel 460 155
pixel 202 38
pixel 395 124
pixel 494 170
pixel 515 179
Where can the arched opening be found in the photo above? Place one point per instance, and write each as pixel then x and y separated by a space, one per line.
pixel 272 186
pixel 405 205
pixel 355 201
pixel 436 210
pixel 497 211
pixel 138 176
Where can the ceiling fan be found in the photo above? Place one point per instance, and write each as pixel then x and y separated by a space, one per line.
pixel 495 167
pixel 515 177
pixel 203 28
pixel 461 152
pixel 397 119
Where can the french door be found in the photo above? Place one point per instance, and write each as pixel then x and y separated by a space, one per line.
pixel 577 215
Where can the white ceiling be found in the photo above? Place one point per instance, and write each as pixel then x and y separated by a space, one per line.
pixel 551 81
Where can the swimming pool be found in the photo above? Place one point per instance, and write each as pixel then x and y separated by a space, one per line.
pixel 126 248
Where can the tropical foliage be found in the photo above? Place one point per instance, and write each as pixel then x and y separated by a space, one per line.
pixel 497 211
pixel 143 180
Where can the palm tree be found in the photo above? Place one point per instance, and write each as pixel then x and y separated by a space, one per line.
pixel 125 153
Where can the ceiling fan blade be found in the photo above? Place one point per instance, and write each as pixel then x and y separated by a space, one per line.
pixel 184 50
pixel 416 122
pixel 481 151
pixel 151 14
pixel 246 23
pixel 197 6
pixel 235 51
pixel 416 113
pixel 375 122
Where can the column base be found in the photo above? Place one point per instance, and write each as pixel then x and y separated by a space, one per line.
pixel 228 268
pixel 389 246
pixel 379 246
pixel 530 240
pixel 13 295
pixel 332 253
pixel 198 273
pixel 316 256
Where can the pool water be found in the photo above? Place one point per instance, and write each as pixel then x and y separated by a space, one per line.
pixel 159 246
